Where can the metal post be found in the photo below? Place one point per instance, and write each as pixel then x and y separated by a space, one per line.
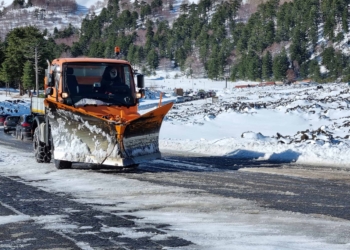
pixel 36 72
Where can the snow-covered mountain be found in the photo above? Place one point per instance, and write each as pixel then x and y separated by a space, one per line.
pixel 85 3
pixel 46 17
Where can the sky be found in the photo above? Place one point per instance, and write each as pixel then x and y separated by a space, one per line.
pixel 226 127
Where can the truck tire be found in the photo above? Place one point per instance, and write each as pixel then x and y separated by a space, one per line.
pixel 63 164
pixel 42 154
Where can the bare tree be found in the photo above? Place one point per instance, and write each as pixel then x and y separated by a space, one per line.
pixel 165 64
pixel 141 37
pixel 193 66
pixel 291 76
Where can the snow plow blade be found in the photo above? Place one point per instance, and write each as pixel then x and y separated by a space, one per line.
pixel 139 139
pixel 81 137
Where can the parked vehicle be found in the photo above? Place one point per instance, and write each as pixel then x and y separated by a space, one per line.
pixel 196 97
pixel 180 99
pixel 202 94
pixel 187 98
pixel 211 93
pixel 10 123
pixel 24 127
pixel 2 119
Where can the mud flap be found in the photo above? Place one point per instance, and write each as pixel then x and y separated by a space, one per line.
pixel 42 129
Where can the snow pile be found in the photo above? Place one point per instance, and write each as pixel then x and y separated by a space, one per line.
pixel 17 106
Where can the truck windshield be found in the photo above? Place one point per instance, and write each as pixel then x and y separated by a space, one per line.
pixel 109 83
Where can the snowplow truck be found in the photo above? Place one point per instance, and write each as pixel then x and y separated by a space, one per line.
pixel 87 117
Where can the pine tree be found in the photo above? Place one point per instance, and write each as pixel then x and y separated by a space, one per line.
pixel 136 4
pixel 267 66
pixel 180 57
pixel 253 66
pixel 212 68
pixel 314 70
pixel 113 6
pixel 284 22
pixel 20 48
pixel 203 43
pixel 96 49
pixel 18 3
pixel 334 62
pixel 235 5
pixel 213 64
pixel 328 60
pixel 152 59
pixel 298 48
pixel 2 52
pixel 4 73
pixel 312 23
pixel 149 36
pixel 234 74
pixel 280 66
pixel 145 11
pixel 345 18
pixel 242 68
pixel 28 77
pixel 131 54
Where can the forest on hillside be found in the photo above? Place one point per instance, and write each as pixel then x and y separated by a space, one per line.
pixel 280 40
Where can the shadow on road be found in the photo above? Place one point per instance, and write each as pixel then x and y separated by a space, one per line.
pixel 180 163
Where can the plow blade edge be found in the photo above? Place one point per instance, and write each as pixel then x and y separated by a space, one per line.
pixel 141 136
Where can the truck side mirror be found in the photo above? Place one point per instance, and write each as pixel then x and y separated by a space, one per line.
pixel 140 81
pixel 50 82
pixel 49 91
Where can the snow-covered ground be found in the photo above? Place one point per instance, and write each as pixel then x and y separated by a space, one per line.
pixel 300 123
pixel 304 123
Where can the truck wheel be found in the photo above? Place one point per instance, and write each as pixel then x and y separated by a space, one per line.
pixel 42 154
pixel 63 164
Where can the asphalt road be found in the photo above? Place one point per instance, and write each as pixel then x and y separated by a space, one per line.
pixel 286 187
pixel 21 200
pixel 280 186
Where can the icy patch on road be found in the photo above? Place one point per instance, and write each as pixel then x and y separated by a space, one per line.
pixel 13 219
